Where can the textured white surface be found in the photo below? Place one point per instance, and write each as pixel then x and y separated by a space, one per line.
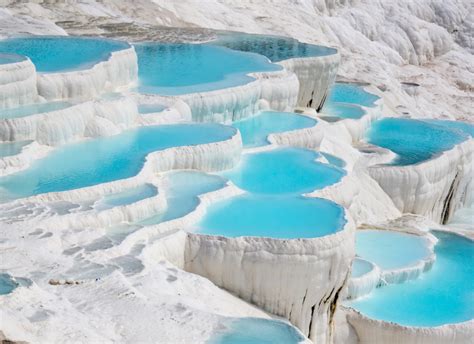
pixel 17 84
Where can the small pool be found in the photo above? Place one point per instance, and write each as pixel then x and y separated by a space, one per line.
pixel 7 284
pixel 52 54
pixel 283 171
pixel 182 191
pixel 279 217
pixel 179 68
pixel 415 141
pixel 350 93
pixel 12 148
pixel 33 109
pixel 360 267
pixel 391 250
pixel 10 58
pixel 343 110
pixel 255 130
pixel 257 331
pixel 145 109
pixel 105 159
pixel 334 160
pixel 443 295
pixel 126 197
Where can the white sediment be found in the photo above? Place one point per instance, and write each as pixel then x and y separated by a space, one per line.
pixel 17 84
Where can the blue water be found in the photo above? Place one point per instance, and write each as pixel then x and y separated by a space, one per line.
pixel 32 109
pixel 255 130
pixel 464 127
pixel 126 197
pixel 280 217
pixel 257 331
pixel 10 58
pixel 12 148
pixel 360 267
pixel 151 108
pixel 415 141
pixel 389 249
pixel 350 93
pixel 171 69
pixel 283 171
pixel 105 159
pixel 334 160
pixel 182 192
pixel 443 295
pixel 7 285
pixel 344 110
pixel 60 53
pixel 275 48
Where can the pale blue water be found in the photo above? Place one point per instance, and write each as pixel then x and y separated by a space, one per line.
pixel 126 197
pixel 442 295
pixel 12 148
pixel 10 58
pixel 415 141
pixel 60 53
pixel 255 130
pixel 257 331
pixel 464 127
pixel 334 160
pixel 171 69
pixel 7 285
pixel 105 159
pixel 275 48
pixel 360 267
pixel 389 249
pixel 283 171
pixel 344 110
pixel 280 217
pixel 150 108
pixel 350 93
pixel 182 192
pixel 32 109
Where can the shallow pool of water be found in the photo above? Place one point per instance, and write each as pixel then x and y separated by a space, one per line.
pixel 61 53
pixel 350 93
pixel 7 284
pixel 343 110
pixel 126 197
pixel 32 109
pixel 360 267
pixel 150 108
pixel 255 130
pixel 280 217
pixel 105 159
pixel 442 295
pixel 283 171
pixel 10 58
pixel 12 148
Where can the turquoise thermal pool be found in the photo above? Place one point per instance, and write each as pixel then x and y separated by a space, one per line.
pixel 415 141
pixel 7 284
pixel 12 148
pixel 179 68
pixel 33 109
pixel 391 250
pixel 126 197
pixel 145 109
pixel 105 159
pixel 279 217
pixel 257 331
pixel 350 93
pixel 343 110
pixel 360 267
pixel 283 171
pixel 52 54
pixel 443 295
pixel 255 130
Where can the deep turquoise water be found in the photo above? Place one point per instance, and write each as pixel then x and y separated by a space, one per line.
pixel 150 108
pixel 274 48
pixel 415 141
pixel 257 331
pixel 283 171
pixel 344 110
pixel 255 130
pixel 273 216
pixel 171 69
pixel 61 53
pixel 126 197
pixel 181 194
pixel 389 249
pixel 350 93
pixel 443 295
pixel 6 284
pixel 360 267
pixel 12 148
pixel 105 159
pixel 32 109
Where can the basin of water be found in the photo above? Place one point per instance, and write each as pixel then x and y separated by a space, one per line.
pixel 442 295
pixel 151 108
pixel 255 130
pixel 283 170
pixel 12 148
pixel 415 141
pixel 350 93
pixel 7 284
pixel 179 68
pixel 105 159
pixel 10 58
pixel 280 217
pixel 32 109
pixel 343 110
pixel 360 267
pixel 52 54
pixel 257 331
pixel 126 197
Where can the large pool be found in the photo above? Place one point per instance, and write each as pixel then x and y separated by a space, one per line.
pixel 443 295
pixel 33 109
pixel 272 216
pixel 179 68
pixel 283 171
pixel 255 130
pixel 52 54
pixel 415 141
pixel 105 159
pixel 350 93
